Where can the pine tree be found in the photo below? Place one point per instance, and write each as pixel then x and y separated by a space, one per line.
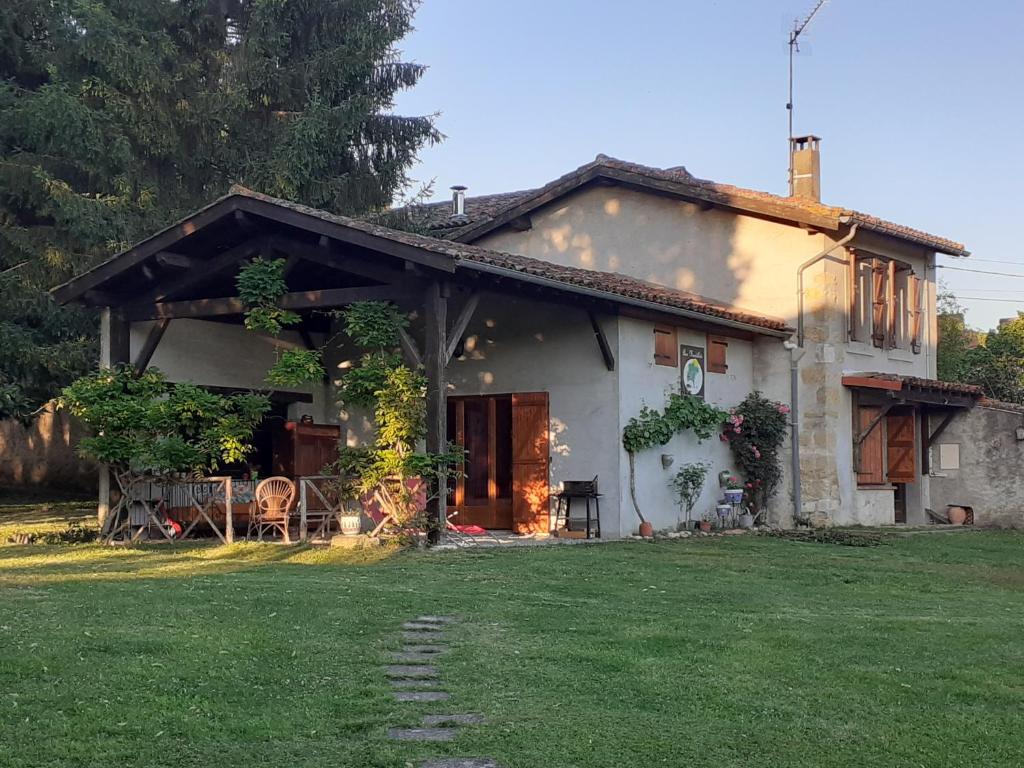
pixel 120 116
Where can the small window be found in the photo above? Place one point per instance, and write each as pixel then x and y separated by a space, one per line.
pixel 666 351
pixel 718 349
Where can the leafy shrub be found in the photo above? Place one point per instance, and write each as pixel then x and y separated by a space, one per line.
pixel 148 425
pixel 755 430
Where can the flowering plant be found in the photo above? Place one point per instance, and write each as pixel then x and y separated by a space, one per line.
pixel 755 430
pixel 734 483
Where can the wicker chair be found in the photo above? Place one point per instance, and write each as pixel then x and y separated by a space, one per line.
pixel 272 505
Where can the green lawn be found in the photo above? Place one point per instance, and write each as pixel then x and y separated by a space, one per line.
pixel 718 652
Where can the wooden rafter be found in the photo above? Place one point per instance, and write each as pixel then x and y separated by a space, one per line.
pixel 328 297
pixel 175 260
pixel 325 256
pixel 410 349
pixel 156 333
pixel 202 271
pixel 602 342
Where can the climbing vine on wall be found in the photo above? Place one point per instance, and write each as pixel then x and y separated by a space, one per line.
pixel 651 428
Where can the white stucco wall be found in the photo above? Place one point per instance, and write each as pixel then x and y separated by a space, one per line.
pixel 645 383
pixel 520 345
pixel 226 355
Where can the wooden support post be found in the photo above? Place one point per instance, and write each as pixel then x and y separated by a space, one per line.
pixel 115 349
pixel 229 517
pixel 303 509
pixel 435 355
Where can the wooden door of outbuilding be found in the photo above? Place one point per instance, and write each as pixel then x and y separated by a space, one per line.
pixel 530 463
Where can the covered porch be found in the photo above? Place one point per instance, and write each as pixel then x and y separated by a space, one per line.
pixel 896 421
pixel 521 356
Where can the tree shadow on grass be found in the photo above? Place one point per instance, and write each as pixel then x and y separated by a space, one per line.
pixel 37 565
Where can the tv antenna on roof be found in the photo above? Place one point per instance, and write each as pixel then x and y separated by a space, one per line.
pixel 794 47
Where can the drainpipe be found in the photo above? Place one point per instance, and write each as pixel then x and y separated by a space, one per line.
pixel 796 353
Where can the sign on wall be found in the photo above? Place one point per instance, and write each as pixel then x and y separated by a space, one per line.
pixel 692 370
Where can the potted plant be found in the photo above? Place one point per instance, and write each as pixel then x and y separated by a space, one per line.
pixel 687 484
pixel 705 522
pixel 733 490
pixel 350 518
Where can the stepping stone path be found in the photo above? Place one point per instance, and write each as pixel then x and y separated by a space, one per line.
pixel 414 678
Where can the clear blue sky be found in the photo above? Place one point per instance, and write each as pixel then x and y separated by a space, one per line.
pixel 920 104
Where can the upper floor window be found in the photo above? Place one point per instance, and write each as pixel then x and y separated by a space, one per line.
pixel 885 302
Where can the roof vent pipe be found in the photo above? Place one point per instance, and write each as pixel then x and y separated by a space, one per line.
pixel 458 201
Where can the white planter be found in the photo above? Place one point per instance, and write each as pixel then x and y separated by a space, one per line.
pixel 350 524
pixel 734 495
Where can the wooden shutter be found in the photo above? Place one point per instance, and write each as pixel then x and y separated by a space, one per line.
pixel 870 470
pixel 718 349
pixel 878 302
pixel 853 294
pixel 899 443
pixel 666 351
pixel 891 305
pixel 530 451
pixel 914 290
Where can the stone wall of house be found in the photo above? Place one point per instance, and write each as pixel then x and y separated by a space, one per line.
pixel 976 462
pixel 42 454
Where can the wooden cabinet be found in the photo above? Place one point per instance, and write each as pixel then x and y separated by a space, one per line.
pixel 301 450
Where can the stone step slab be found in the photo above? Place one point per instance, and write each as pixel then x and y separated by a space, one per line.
pixel 411 656
pixel 431 721
pixel 411 670
pixel 421 626
pixel 436 619
pixel 423 734
pixel 422 636
pixel 459 762
pixel 412 648
pixel 421 696
pixel 407 684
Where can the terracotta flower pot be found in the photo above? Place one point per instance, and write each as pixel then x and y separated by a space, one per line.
pixel 956 515
pixel 646 530
pixel 705 525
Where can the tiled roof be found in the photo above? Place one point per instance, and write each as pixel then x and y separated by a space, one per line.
pixel 899 383
pixel 613 284
pixel 611 287
pixel 437 217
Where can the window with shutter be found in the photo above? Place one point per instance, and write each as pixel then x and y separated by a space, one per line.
pixel 666 350
pixel 718 349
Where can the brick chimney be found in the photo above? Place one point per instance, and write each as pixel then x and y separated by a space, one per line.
pixel 805 165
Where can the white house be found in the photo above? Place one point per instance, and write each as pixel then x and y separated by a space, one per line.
pixel 548 318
